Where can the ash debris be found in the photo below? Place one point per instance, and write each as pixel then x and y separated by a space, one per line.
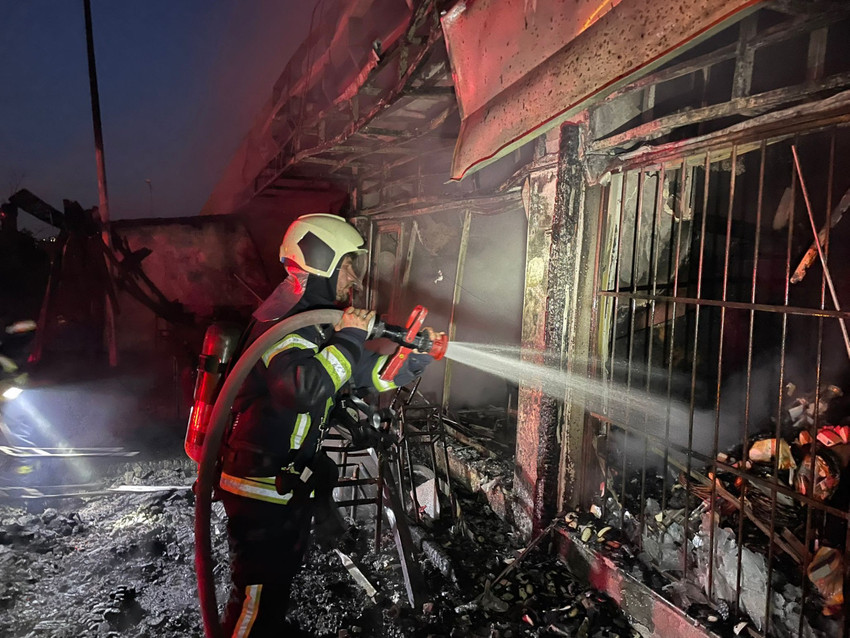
pixel 460 561
pixel 121 564
pixel 110 565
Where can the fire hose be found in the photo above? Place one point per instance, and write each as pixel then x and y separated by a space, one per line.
pixel 408 338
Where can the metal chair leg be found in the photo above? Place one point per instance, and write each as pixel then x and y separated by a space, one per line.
pixel 380 504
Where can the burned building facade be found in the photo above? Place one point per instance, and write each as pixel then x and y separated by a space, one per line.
pixel 626 196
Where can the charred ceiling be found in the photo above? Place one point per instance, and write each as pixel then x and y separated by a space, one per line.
pixel 785 55
pixel 379 119
pixel 387 137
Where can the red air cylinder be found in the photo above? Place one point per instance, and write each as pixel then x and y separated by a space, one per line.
pixel 220 342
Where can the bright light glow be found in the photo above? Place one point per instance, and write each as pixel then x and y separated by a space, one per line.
pixel 27 325
pixel 12 393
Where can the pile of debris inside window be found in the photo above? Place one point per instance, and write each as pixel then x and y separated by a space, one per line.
pixel 730 548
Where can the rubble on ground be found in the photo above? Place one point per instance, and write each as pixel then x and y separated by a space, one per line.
pixel 113 565
pixel 460 561
pixel 121 564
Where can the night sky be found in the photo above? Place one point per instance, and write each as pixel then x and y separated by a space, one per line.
pixel 180 84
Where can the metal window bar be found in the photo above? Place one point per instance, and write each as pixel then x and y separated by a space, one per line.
pixel 608 367
pixel 586 483
pixel 713 498
pixel 631 333
pixel 716 221
pixel 751 326
pixel 813 428
pixel 694 371
pixel 671 317
pixel 648 316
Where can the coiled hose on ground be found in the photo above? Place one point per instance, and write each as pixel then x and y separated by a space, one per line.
pixel 212 444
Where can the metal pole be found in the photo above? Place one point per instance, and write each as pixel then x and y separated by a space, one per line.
pixel 820 250
pixel 103 205
pixel 461 260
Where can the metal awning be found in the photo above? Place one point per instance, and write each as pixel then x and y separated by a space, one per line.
pixel 522 67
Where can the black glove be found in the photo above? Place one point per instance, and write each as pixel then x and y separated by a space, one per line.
pixel 289 480
pixel 366 436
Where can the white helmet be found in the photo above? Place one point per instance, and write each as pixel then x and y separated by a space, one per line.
pixel 317 243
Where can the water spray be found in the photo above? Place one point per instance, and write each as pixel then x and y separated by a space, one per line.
pixel 627 406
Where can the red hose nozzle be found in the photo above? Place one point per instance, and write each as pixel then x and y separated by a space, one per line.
pixel 409 338
pixel 438 348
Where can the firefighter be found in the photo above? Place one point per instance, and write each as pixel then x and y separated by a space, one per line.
pixel 274 477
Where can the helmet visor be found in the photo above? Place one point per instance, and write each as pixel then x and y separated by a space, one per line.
pixel 350 273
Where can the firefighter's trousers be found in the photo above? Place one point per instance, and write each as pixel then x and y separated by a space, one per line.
pixel 267 544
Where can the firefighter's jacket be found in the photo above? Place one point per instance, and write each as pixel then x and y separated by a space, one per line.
pixel 281 411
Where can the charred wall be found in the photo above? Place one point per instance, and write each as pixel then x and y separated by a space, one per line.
pixel 470 281
pixel 192 262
